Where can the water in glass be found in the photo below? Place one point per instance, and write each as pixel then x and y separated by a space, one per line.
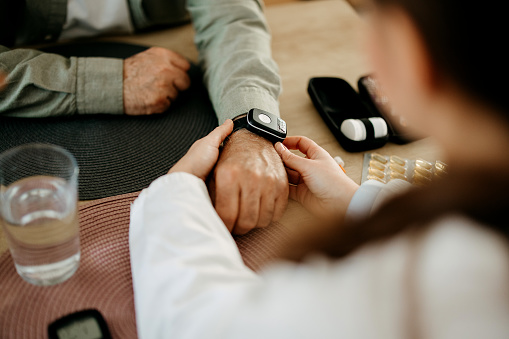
pixel 41 224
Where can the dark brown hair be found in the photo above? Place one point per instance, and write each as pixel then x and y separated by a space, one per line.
pixel 463 39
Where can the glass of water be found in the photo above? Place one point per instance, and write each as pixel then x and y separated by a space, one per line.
pixel 39 211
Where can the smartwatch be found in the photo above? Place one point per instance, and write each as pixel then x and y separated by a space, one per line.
pixel 263 123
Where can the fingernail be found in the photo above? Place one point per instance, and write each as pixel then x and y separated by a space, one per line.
pixel 280 147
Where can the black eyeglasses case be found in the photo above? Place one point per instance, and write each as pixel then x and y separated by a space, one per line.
pixel 336 101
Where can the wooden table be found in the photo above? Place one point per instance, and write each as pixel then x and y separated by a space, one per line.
pixel 310 38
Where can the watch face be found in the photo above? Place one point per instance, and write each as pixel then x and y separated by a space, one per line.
pixel 264 118
pixel 266 124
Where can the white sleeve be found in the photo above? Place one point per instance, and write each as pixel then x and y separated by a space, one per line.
pixel 185 264
pixel 190 281
pixel 371 194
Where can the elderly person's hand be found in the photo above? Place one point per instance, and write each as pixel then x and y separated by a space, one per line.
pixel 3 78
pixel 153 79
pixel 203 154
pixel 250 186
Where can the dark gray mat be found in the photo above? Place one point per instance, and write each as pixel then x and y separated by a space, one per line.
pixel 119 154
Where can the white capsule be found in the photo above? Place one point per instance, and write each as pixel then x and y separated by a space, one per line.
pixel 355 130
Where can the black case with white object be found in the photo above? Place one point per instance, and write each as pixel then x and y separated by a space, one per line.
pixel 337 101
pixel 395 134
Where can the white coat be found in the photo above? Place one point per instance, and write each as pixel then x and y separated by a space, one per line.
pixel 190 281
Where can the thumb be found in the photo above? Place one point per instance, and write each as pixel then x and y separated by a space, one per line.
pixel 291 160
pixel 217 136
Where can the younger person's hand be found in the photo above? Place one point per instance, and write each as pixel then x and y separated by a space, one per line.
pixel 203 154
pixel 317 181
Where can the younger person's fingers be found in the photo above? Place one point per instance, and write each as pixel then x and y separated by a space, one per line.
pixel 307 146
pixel 217 136
pixel 291 160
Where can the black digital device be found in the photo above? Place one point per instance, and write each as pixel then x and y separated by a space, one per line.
pixel 336 101
pixel 263 123
pixel 86 324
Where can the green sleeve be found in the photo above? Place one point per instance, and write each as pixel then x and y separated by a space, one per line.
pixel 233 40
pixel 42 84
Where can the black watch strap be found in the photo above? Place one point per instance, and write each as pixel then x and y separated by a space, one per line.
pixel 239 122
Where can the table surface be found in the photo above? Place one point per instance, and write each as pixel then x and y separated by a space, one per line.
pixel 309 39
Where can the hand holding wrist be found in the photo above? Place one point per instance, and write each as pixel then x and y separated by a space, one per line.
pixel 203 154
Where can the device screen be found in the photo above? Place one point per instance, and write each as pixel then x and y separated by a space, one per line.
pixel 87 328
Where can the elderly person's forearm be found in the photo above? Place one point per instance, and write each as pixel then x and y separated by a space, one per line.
pixel 233 39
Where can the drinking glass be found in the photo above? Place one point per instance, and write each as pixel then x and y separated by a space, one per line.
pixel 38 207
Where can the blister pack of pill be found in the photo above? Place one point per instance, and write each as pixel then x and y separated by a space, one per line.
pixel 385 168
